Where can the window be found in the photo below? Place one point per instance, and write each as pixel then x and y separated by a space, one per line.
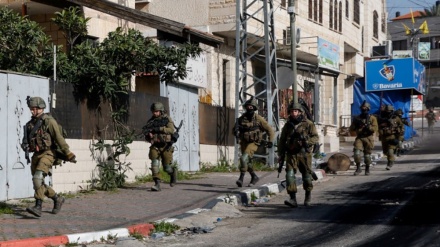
pixel 315 10
pixel 330 16
pixel 336 15
pixel 286 36
pixel 340 16
pixel 375 24
pixel 283 4
pixel 356 11
pixel 383 24
pixel 347 9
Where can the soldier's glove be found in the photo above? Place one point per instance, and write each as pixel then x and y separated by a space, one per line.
pixel 269 145
pixel 71 157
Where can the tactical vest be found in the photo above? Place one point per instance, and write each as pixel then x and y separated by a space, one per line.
pixel 393 127
pixel 430 116
pixel 41 139
pixel 159 138
pixel 250 131
pixel 366 122
pixel 296 138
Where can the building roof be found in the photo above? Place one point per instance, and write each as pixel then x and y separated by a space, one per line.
pixel 159 23
pixel 415 14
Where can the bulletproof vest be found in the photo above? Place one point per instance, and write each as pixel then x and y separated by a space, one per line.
pixel 430 116
pixel 39 138
pixel 296 139
pixel 158 138
pixel 361 125
pixel 392 127
pixel 250 130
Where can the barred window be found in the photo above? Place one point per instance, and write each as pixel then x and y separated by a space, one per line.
pixel 330 16
pixel 347 9
pixel 356 11
pixel 375 25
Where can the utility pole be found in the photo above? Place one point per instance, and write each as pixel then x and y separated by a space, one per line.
pixel 291 11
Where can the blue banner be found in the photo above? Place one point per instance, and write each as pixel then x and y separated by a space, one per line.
pixel 395 74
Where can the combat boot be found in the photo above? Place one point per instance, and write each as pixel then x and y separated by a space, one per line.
pixel 254 179
pixel 389 165
pixel 308 198
pixel 358 170
pixel 367 170
pixel 57 203
pixel 36 210
pixel 292 201
pixel 173 177
pixel 156 186
pixel 239 182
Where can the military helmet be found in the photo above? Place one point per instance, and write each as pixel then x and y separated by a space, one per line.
pixel 389 108
pixel 36 102
pixel 157 106
pixel 252 102
pixel 296 106
pixel 399 112
pixel 366 104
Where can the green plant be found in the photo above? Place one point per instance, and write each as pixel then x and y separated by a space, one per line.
pixel 253 197
pixel 5 208
pixel 165 227
pixel 137 235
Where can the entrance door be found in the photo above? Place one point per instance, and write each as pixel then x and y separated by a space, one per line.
pixel 184 106
pixel 15 173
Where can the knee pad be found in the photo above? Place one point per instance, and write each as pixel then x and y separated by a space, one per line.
pixel 155 166
pixel 244 160
pixel 290 181
pixel 38 179
pixel 367 159
pixel 168 169
pixel 357 155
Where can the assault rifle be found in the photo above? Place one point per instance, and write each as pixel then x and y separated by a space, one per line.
pixel 237 131
pixel 25 145
pixel 281 164
pixel 152 125
pixel 304 150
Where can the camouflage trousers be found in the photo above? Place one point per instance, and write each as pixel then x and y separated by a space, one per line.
pixel 43 161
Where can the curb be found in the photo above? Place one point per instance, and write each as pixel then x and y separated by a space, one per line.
pixel 80 238
pixel 240 198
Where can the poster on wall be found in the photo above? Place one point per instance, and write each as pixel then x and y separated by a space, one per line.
pixel 424 49
pixel 328 54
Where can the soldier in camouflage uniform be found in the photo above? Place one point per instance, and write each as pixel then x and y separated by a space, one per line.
pixel 251 127
pixel 365 126
pixel 399 148
pixel 431 118
pixel 43 137
pixel 158 131
pixel 390 128
pixel 298 136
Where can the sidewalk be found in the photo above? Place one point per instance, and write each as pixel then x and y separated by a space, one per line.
pixel 96 215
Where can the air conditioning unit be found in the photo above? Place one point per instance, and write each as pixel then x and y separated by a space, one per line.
pixel 384 50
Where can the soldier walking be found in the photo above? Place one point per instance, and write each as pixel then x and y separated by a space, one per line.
pixel 390 128
pixel 431 118
pixel 159 131
pixel 399 148
pixel 249 130
pixel 298 136
pixel 43 137
pixel 365 126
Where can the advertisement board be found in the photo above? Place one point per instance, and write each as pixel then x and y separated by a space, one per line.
pixel 395 74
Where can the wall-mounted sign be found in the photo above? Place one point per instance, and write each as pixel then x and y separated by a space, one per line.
pixel 395 74
pixel 328 55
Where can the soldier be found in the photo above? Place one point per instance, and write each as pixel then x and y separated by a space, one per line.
pixel 297 139
pixel 399 148
pixel 431 118
pixel 365 126
pixel 43 137
pixel 159 131
pixel 249 129
pixel 390 128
